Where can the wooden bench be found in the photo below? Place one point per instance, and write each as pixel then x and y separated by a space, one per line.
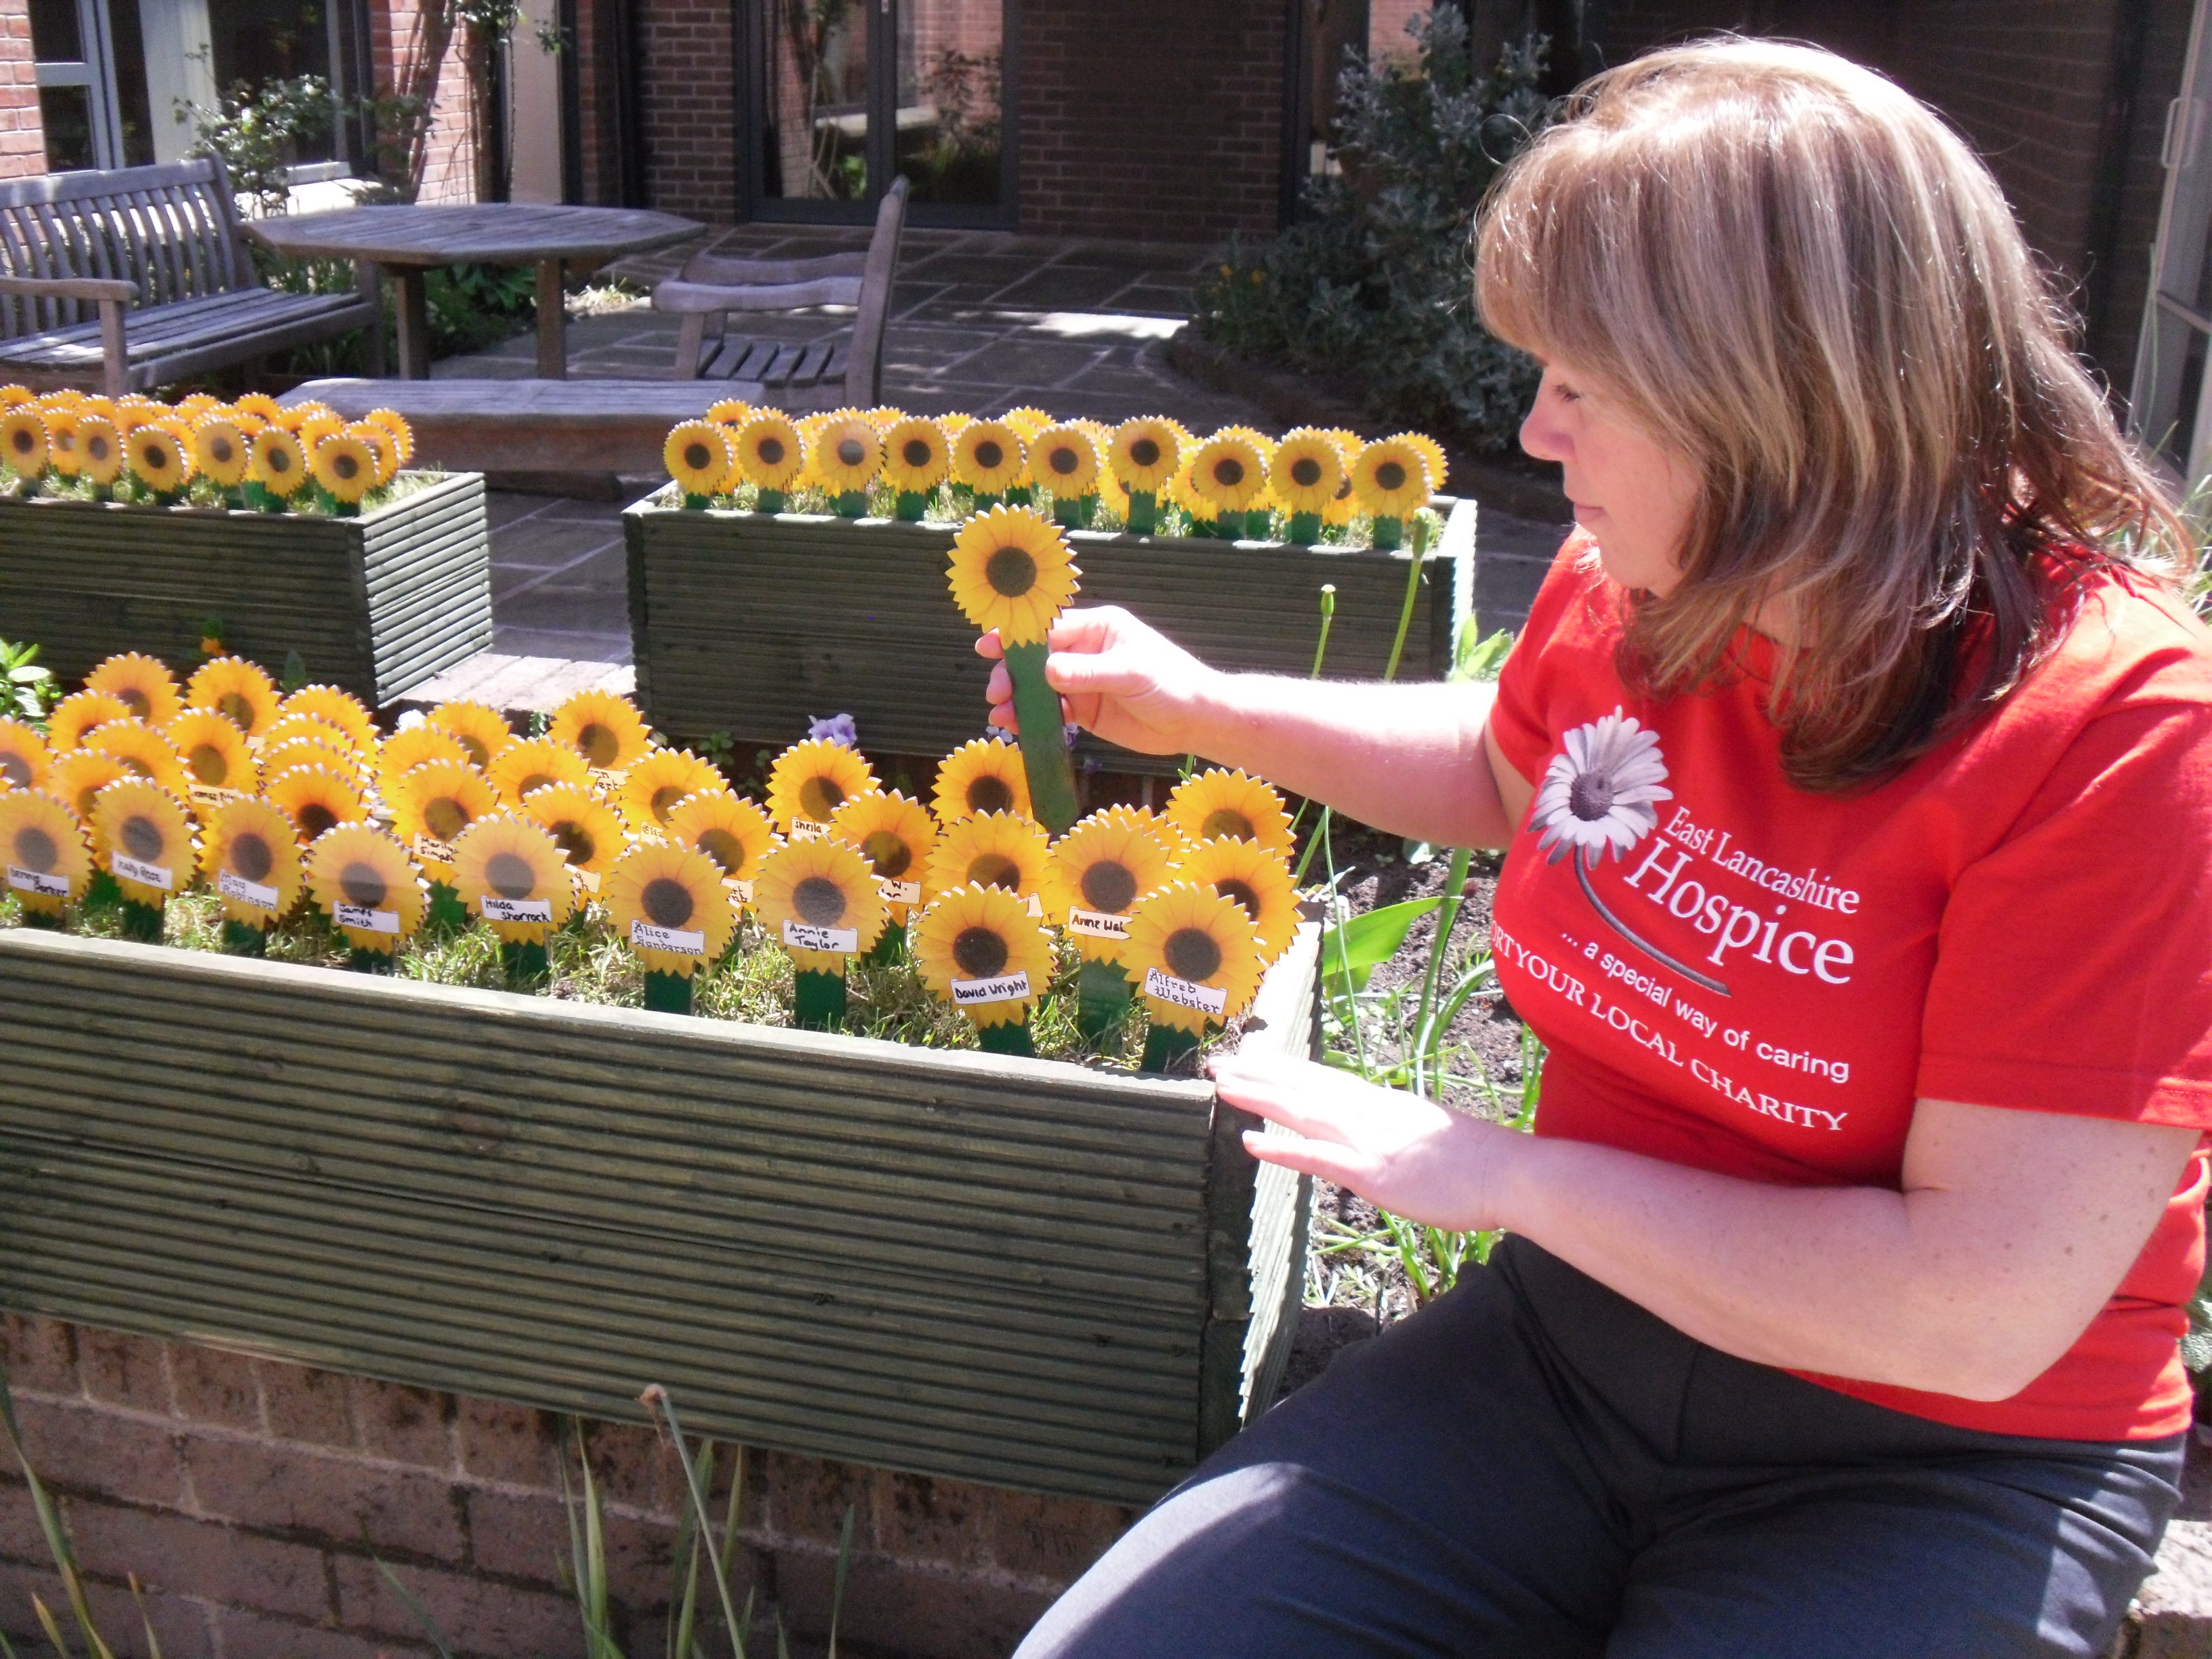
pixel 120 282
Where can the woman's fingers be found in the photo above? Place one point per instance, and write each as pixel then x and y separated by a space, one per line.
pixel 1341 1164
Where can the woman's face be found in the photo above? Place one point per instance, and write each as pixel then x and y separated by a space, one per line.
pixel 1633 494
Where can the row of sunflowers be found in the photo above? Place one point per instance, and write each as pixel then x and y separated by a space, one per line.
pixel 1148 475
pixel 300 823
pixel 254 453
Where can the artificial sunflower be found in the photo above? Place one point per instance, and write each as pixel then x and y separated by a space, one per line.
pixel 158 460
pixel 298 726
pixel 77 780
pixel 1305 476
pixel 988 457
pixel 145 683
pixel 980 949
pixel 344 466
pixel 79 713
pixel 395 426
pixel 534 763
pixel 992 849
pixel 729 830
pixel 895 835
pixel 668 904
pixel 1257 878
pixel 1011 571
pixel 277 463
pixel 584 827
pixel 1194 956
pixel 819 899
pixel 341 708
pixel 23 757
pixel 13 396
pixel 606 729
pixel 416 746
pixel 147 837
pixel 42 845
pixel 917 456
pixel 984 774
pixel 434 803
pixel 252 858
pixel 296 752
pixel 770 453
pixel 383 450
pixel 1027 419
pixel 61 425
pixel 1432 457
pixel 221 451
pixel 730 411
pixel 314 428
pixel 214 752
pixel 1102 867
pixel 99 450
pixel 145 752
pixel 260 405
pixel 131 413
pixel 238 690
pixel 651 788
pixel 361 878
pixel 1389 479
pixel 513 874
pixel 1218 802
pixel 1145 454
pixel 23 444
pixel 847 454
pixel 315 800
pixel 482 730
pixel 1227 472
pixel 1065 459
pixel 810 781
pixel 698 456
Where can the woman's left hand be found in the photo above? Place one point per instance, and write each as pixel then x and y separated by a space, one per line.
pixel 1401 1153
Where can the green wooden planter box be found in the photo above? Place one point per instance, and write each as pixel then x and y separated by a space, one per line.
pixel 1015 1272
pixel 376 604
pixel 753 624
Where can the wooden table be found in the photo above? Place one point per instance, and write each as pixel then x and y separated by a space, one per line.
pixel 405 243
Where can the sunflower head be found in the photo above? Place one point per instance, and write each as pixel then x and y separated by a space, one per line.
pixel 1390 478
pixel 145 752
pixel 1432 457
pixel 78 714
pixel 143 685
pixel 77 779
pixel 513 874
pixel 729 830
pixel 667 904
pixel 221 451
pixel 439 799
pixel 297 725
pixel 1065 459
pixel 362 880
pixel 42 848
pixel 1102 867
pixel 606 729
pixel 698 456
pixel 250 857
pixel 988 457
pixel 984 775
pixel 344 465
pixel 895 835
pixel 584 827
pixel 23 757
pixel 1011 571
pixel 732 412
pixel 276 462
pixel 395 426
pixel 992 849
pixel 770 451
pixel 818 900
pixel 315 800
pixel 652 788
pixel 416 746
pixel 916 455
pixel 847 453
pixel 1218 802
pixel 61 426
pixel 214 752
pixel 99 450
pixel 1146 453
pixel 1193 955
pixel 810 781
pixel 260 405
pixel 1227 472
pixel 24 443
pixel 979 950
pixel 380 447
pixel 482 731
pixel 534 763
pixel 1307 472
pixel 341 708
pixel 1257 878
pixel 146 837
pixel 240 691
pixel 158 459
pixel 298 751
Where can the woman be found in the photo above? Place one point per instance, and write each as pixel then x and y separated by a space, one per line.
pixel 1852 775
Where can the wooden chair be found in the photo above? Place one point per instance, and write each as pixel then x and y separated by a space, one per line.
pixel 821 374
pixel 124 281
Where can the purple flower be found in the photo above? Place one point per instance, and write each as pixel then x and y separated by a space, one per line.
pixel 838 728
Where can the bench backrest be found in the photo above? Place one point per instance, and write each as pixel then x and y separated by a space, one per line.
pixel 171 229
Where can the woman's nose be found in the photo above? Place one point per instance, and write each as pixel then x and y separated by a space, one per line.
pixel 1541 437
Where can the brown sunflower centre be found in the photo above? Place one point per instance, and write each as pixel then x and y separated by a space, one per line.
pixel 1390 476
pixel 96 448
pixel 1233 889
pixel 1063 459
pixel 277 459
pixel 510 875
pixel 1192 954
pixel 818 797
pixel 313 818
pixel 769 452
pixel 1011 571
pixel 697 455
pixel 889 852
pixel 345 466
pixel 989 792
pixel 536 780
pixel 363 885
pixel 849 452
pixel 819 901
pixel 1144 452
pixel 725 848
pixel 574 842
pixel 666 902
pixel 990 456
pixel 979 952
pixel 664 799
pixel 1228 472
pixel 915 452
pixel 250 856
pixel 36 850
pixel 20 440
pixel 1227 821
pixel 16 769
pixel 219 451
pixel 142 838
pixel 445 819
pixel 598 744
pixel 1305 472
pixel 1108 886
pixel 134 699
pixel 995 870
pixel 135 766
pixel 478 753
pixel 207 763
pixel 234 707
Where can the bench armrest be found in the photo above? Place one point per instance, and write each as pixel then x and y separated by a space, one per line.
pixel 69 287
pixel 680 296
pixel 759 273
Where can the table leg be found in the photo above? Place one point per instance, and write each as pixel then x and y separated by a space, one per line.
pixel 552 323
pixel 414 325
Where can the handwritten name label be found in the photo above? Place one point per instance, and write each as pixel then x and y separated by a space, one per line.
pixel 232 885
pixel 586 879
pixel 1035 905
pixel 34 881
pixel 808 830
pixel 507 909
pixel 211 795
pixel 899 892
pixel 805 936
pixel 739 886
pixel 1099 924
pixel 364 919
pixel 429 849
pixel 1184 994
pixel 644 936
pixel 146 875
pixel 1006 988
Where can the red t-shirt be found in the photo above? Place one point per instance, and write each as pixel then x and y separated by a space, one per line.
pixel 1743 976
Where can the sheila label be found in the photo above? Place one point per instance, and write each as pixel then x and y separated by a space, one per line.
pixel 496 909
pixel 899 892
pixel 232 885
pixel 364 920
pixel 210 794
pixel 146 875
pixel 1099 924
pixel 1006 988
pixel 430 850
pixel 32 881
pixel 808 830
pixel 644 936
pixel 1182 993
pixel 805 936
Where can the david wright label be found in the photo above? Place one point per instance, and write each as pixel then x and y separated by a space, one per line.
pixel 32 881
pixel 805 936
pixel 899 892
pixel 431 850
pixel 210 794
pixel 146 875
pixel 1006 988
pixel 364 919
pixel 644 936
pixel 1182 993
pixel 1099 924
pixel 232 885
pixel 507 909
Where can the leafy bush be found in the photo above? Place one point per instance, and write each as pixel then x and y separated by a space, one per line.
pixel 1376 282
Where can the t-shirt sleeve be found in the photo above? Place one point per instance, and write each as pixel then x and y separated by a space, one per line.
pixel 1517 719
pixel 2073 967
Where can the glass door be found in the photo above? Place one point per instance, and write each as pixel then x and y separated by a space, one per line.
pixel 76 95
pixel 2171 409
pixel 847 94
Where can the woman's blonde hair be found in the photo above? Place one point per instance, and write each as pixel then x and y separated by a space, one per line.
pixel 1796 275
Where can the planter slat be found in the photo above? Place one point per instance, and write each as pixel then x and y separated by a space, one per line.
pixel 960 1264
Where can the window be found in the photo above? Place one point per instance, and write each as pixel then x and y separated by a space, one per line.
pixel 2171 405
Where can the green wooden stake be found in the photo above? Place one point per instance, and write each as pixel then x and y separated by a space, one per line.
pixel 1011 1038
pixel 1044 743
pixel 890 948
pixel 912 505
pixel 525 962
pixel 1165 1046
pixel 668 993
pixel 1385 532
pixel 370 962
pixel 1230 526
pixel 696 503
pixel 44 920
pixel 1021 495
pixel 1305 528
pixel 1260 525
pixel 985 501
pixel 447 911
pixel 141 921
pixel 770 500
pixel 818 1000
pixel 853 504
pixel 1067 511
pixel 243 939
pixel 1144 512
pixel 101 891
pixel 1103 994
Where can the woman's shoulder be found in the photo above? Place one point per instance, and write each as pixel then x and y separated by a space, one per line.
pixel 2120 637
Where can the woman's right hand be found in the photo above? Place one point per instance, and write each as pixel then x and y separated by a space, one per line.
pixel 1127 682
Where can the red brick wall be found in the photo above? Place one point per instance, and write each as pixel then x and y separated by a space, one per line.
pixel 1152 118
pixel 687 108
pixel 23 141
pixel 253 1500
pixel 418 53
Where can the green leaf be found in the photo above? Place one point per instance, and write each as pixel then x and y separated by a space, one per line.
pixel 1352 950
